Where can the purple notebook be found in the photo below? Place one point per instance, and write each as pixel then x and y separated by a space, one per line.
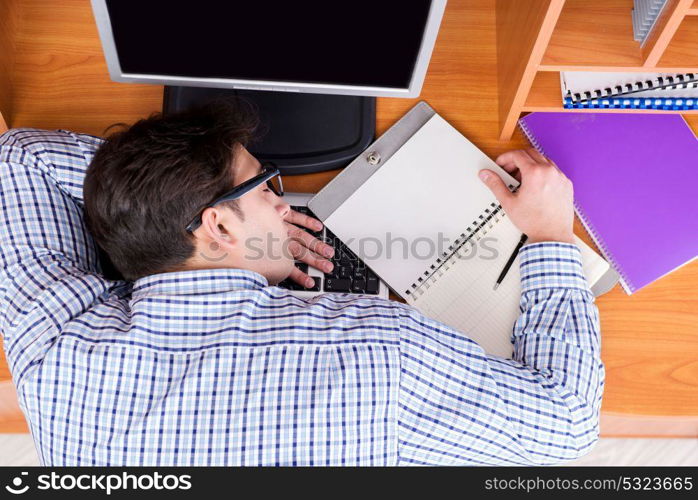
pixel 635 185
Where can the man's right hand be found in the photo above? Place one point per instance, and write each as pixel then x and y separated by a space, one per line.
pixel 542 208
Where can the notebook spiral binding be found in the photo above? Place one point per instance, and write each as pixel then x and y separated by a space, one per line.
pixel 665 103
pixel 477 229
pixel 671 82
pixel 585 220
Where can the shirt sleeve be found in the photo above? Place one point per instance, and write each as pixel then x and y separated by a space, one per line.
pixel 49 267
pixel 459 406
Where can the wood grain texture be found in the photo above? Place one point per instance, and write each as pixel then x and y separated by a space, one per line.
pixel 683 47
pixel 11 416
pixel 594 33
pixel 8 29
pixel 693 11
pixel 666 25
pixel 523 32
pixel 684 66
pixel 650 339
pixel 597 35
pixel 60 76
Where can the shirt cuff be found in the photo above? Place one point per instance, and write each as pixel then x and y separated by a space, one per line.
pixel 550 264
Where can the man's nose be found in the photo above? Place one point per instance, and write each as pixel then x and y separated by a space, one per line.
pixel 283 208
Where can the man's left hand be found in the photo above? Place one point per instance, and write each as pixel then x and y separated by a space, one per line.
pixel 307 248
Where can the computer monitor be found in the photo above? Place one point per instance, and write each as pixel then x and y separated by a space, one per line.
pixel 313 68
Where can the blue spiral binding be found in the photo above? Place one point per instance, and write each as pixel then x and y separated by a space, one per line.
pixel 665 103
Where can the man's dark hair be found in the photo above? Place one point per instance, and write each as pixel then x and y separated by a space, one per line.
pixel 148 181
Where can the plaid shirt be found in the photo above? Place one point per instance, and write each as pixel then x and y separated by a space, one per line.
pixel 215 367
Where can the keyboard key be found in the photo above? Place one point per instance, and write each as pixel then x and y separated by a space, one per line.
pixel 352 256
pixel 358 286
pixel 289 284
pixel 345 272
pixel 359 273
pixel 332 240
pixel 317 286
pixel 337 285
pixel 335 271
pixel 372 284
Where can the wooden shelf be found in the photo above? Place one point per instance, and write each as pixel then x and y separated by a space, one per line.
pixel 693 11
pixel 545 95
pixel 593 34
pixel 683 48
pixel 583 35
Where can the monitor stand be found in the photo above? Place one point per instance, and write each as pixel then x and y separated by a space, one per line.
pixel 302 133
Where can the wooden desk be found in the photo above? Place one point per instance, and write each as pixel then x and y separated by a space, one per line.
pixel 650 340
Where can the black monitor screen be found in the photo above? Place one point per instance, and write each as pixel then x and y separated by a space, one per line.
pixel 358 42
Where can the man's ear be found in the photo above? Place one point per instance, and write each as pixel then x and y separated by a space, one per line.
pixel 218 224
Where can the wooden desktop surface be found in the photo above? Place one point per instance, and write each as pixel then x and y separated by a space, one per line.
pixel 650 339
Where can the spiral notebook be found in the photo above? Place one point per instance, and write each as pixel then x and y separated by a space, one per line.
pixel 635 178
pixel 593 89
pixel 414 209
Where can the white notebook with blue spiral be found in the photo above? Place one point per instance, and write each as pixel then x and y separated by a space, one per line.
pixel 599 90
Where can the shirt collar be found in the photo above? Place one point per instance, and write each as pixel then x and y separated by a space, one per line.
pixel 198 282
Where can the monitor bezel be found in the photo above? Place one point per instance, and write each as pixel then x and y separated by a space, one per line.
pixel 436 10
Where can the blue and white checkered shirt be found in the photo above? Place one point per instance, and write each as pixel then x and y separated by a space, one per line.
pixel 215 367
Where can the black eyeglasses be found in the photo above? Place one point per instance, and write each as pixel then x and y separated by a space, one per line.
pixel 270 174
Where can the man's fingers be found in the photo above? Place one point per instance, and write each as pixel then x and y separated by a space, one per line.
pixel 303 220
pixel 515 159
pixel 302 254
pixel 301 278
pixel 512 170
pixel 497 186
pixel 310 241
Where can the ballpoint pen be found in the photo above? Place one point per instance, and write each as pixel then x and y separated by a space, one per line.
pixel 511 260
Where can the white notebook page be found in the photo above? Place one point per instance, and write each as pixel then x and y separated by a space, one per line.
pixel 463 297
pixel 428 191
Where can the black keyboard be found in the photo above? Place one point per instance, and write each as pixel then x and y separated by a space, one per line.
pixel 349 274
